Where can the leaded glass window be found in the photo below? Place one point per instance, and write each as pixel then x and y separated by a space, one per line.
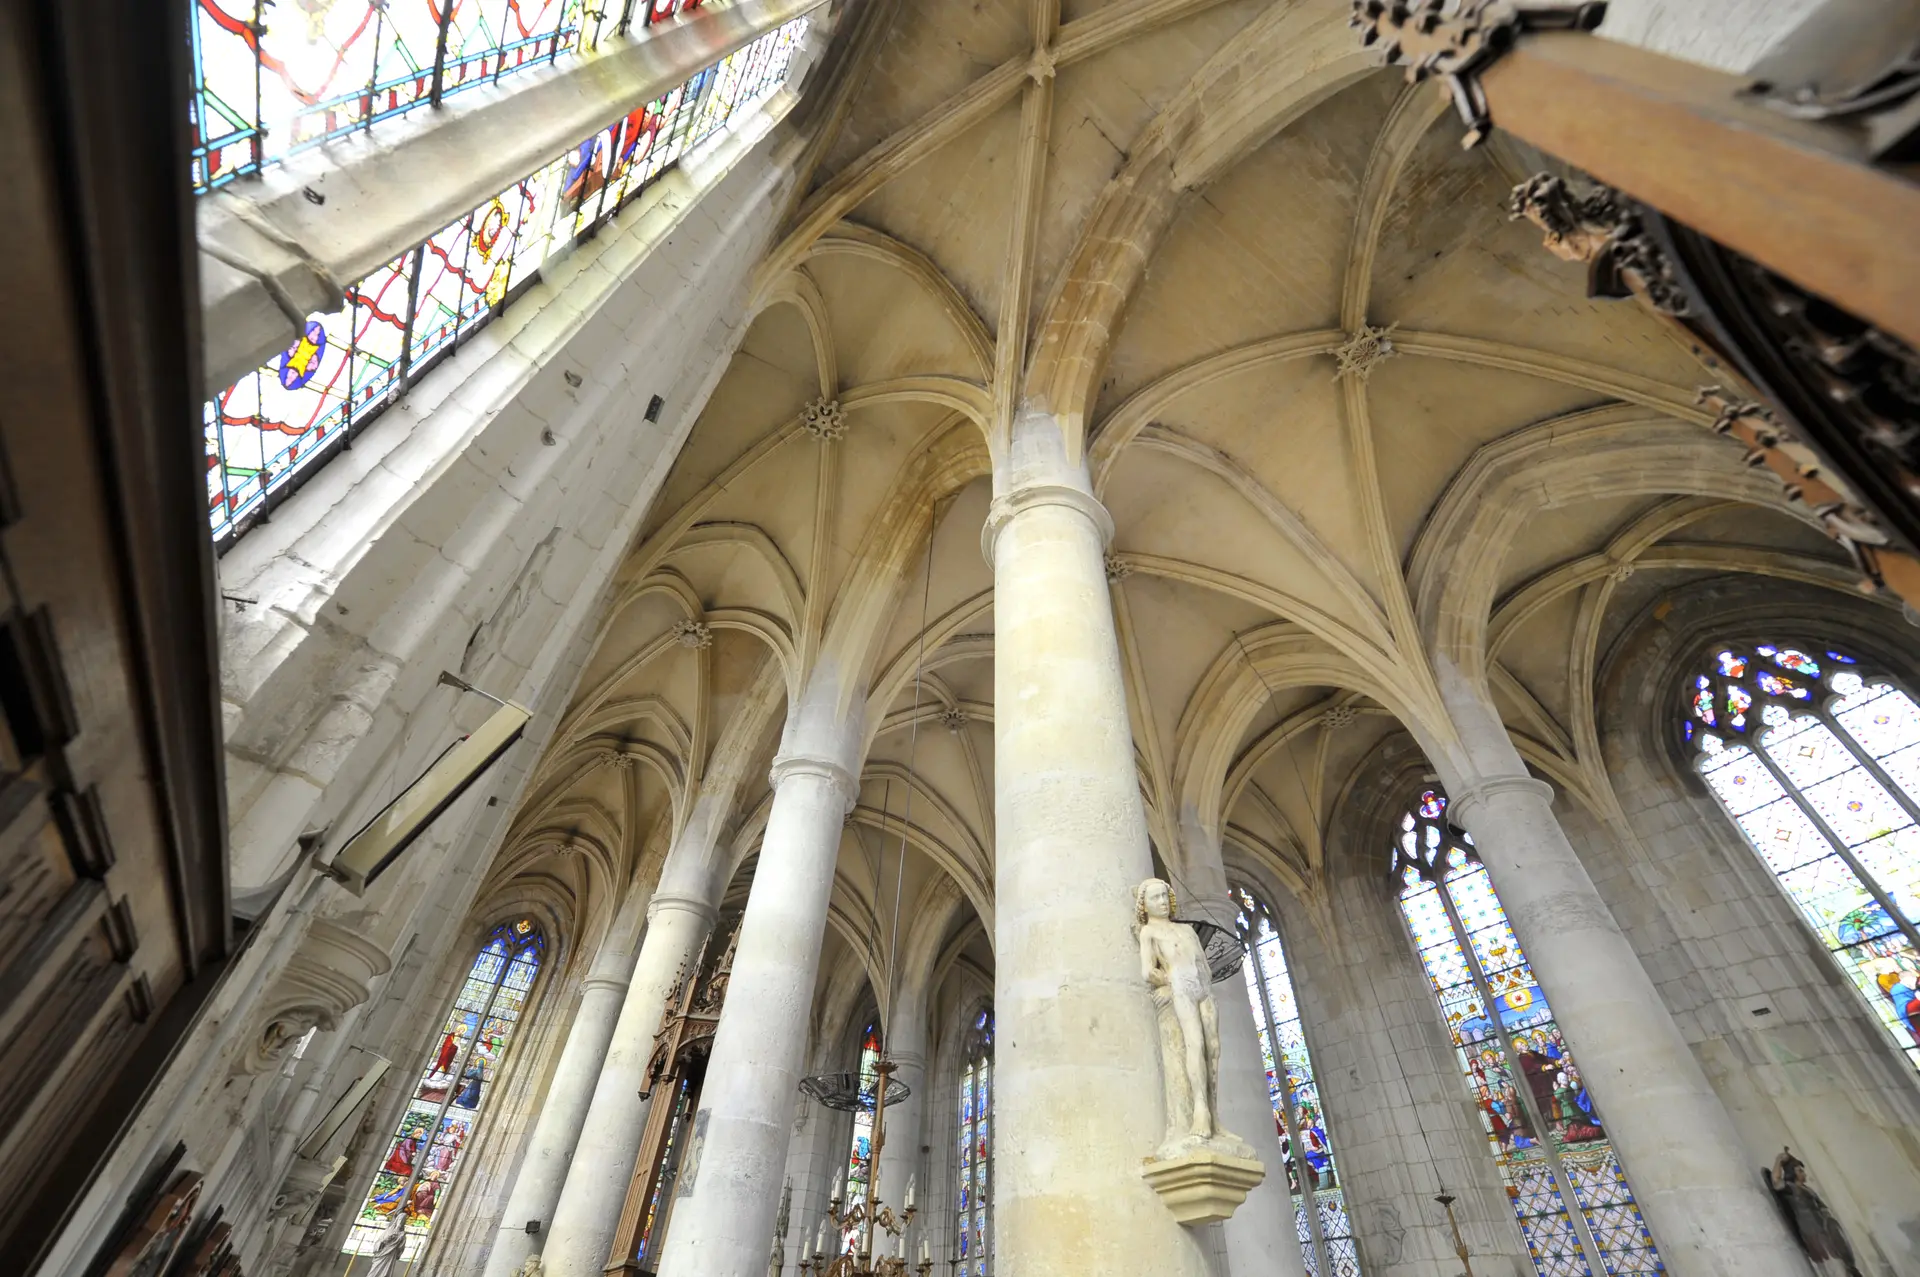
pixel 1563 1179
pixel 455 1084
pixel 265 433
pixel 973 1162
pixel 272 80
pixel 1817 760
pixel 860 1156
pixel 1319 1204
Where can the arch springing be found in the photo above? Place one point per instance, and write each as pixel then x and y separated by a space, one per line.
pixel 459 1075
pixel 1817 761
pixel 1564 1181
pixel 1322 1224
pixel 973 1194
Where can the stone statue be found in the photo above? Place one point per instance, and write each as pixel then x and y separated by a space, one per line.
pixel 386 1252
pixel 1811 1222
pixel 532 1268
pixel 1174 965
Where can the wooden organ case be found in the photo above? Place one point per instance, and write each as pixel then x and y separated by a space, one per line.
pixel 675 1072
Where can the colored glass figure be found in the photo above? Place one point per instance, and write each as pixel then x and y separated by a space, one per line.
pixel 663 1184
pixel 973 1197
pixel 474 1041
pixel 265 433
pixel 1319 1201
pixel 1828 794
pixel 271 81
pixel 860 1156
pixel 1566 1185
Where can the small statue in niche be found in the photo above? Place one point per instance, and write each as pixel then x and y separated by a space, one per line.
pixel 1808 1217
pixel 1174 964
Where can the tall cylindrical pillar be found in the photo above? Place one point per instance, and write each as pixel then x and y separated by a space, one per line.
pixel 589 1208
pixel 1695 1183
pixel 563 1110
pixel 729 1186
pixel 1079 1098
pixel 900 1158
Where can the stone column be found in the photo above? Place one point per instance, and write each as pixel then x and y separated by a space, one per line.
pixel 588 1211
pixel 729 1188
pixel 1696 1184
pixel 563 1109
pixel 900 1159
pixel 1079 1099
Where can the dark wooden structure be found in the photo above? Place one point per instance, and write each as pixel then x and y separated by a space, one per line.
pixel 675 1072
pixel 1771 216
pixel 115 923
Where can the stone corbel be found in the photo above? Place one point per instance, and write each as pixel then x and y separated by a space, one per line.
pixel 331 972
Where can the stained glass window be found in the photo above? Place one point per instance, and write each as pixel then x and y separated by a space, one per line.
pixel 660 1205
pixel 1823 779
pixel 860 1155
pixel 267 431
pixel 272 80
pixel 457 1081
pixel 973 1154
pixel 1565 1183
pixel 1319 1203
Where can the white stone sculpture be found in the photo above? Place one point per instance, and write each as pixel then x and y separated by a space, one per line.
pixel 1201 1170
pixel 386 1252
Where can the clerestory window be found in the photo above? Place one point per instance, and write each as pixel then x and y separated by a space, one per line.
pixel 267 432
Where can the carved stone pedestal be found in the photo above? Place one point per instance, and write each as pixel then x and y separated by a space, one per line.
pixel 1203 1185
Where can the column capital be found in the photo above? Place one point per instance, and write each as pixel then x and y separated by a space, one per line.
pixel 617 984
pixel 1496 787
pixel 1005 508
pixel 833 773
pixel 685 904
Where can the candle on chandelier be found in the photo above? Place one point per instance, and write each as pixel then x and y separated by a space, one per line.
pixel 839 1182
pixel 926 1251
pixel 900 1247
pixel 910 1182
pixel 820 1239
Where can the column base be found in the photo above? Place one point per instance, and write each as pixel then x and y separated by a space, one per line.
pixel 1203 1185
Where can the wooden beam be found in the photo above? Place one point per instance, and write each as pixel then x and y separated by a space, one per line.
pixel 1800 198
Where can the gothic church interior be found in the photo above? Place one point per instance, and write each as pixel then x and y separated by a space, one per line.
pixel 922 471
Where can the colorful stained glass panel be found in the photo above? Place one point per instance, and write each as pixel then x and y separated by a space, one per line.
pixel 461 1068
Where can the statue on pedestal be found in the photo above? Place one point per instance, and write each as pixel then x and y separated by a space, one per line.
pixel 1201 1170
pixel 1174 965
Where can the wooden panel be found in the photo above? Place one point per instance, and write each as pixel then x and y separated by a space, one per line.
pixel 113 910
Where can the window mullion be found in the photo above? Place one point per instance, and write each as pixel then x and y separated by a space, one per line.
pixel 1835 841
pixel 1296 1149
pixel 1872 764
pixel 1596 1258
